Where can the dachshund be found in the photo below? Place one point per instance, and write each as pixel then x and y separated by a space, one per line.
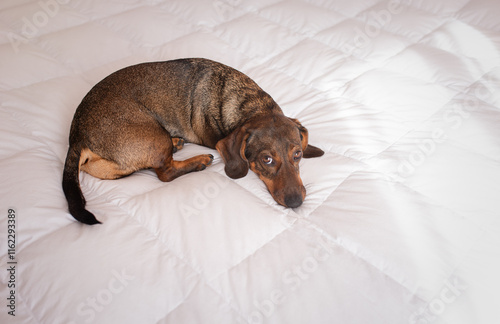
pixel 137 117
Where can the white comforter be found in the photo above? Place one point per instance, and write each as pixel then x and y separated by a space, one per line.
pixel 401 223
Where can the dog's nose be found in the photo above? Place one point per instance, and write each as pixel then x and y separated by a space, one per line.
pixel 293 200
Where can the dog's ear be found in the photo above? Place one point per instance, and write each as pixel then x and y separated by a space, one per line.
pixel 232 150
pixel 309 151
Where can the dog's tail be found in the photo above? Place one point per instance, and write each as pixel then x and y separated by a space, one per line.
pixel 72 190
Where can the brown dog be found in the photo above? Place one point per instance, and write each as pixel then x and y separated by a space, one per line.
pixel 137 117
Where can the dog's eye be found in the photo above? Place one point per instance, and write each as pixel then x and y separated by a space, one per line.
pixel 267 160
pixel 297 155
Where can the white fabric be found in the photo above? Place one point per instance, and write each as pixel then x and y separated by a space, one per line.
pixel 401 220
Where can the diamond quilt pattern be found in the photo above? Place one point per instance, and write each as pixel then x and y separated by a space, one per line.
pixel 401 220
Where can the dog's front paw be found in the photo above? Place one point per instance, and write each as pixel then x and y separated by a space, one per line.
pixel 205 160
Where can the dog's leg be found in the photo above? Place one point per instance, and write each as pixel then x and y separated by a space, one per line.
pixel 101 168
pixel 171 169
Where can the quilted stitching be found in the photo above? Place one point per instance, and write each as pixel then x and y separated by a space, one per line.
pixel 401 217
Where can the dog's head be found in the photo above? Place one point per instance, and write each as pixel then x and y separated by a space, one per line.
pixel 272 147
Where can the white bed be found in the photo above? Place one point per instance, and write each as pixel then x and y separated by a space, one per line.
pixel 401 223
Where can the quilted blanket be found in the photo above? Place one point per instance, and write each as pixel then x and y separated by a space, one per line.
pixel 401 223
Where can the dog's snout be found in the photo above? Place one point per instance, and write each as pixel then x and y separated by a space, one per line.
pixel 291 194
pixel 293 200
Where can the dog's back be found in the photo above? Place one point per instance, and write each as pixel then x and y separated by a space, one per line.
pixel 178 94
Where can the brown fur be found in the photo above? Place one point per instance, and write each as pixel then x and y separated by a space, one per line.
pixel 137 117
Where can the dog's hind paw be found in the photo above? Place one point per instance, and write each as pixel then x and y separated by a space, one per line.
pixel 178 143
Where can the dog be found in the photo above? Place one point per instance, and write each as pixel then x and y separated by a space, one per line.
pixel 137 117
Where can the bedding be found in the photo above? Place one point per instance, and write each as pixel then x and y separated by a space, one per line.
pixel 401 221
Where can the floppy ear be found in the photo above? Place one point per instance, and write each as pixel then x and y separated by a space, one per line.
pixel 309 151
pixel 232 150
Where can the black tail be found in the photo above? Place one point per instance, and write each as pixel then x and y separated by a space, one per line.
pixel 72 190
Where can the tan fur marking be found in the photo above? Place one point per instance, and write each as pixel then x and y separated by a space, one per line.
pixel 99 167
